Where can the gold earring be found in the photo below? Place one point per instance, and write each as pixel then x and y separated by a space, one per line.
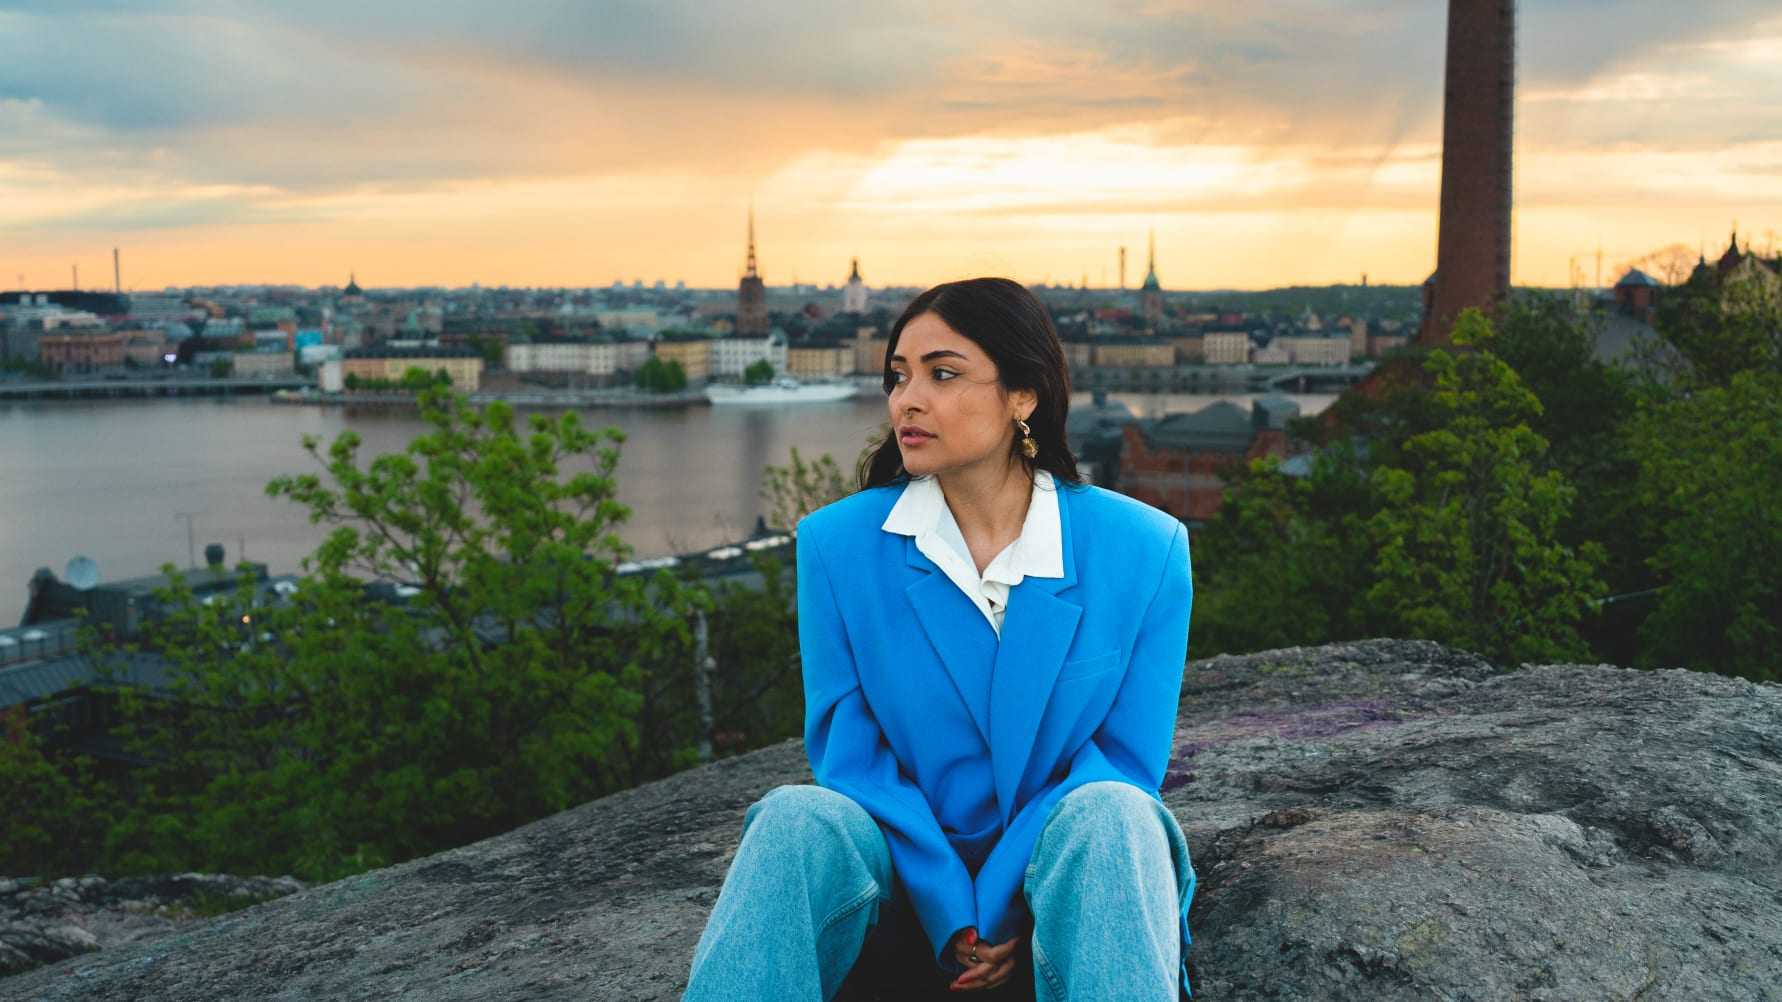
pixel 1029 447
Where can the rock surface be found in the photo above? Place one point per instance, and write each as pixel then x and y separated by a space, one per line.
pixel 1383 820
pixel 42 922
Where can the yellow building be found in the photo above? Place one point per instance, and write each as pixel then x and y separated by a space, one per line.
pixel 1136 352
pixel 463 365
pixel 693 351
pixel 1190 348
pixel 1317 349
pixel 869 351
pixel 820 360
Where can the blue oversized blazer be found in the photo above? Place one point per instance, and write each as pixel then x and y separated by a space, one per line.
pixel 959 744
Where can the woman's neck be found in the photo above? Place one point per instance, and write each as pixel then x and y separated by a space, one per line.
pixel 988 502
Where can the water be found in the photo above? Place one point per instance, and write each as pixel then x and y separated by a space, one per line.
pixel 106 478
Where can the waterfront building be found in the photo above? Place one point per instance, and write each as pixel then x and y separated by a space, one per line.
pixel 1315 349
pixel 463 365
pixel 692 350
pixel 1135 350
pixel 81 352
pixel 870 346
pixel 820 358
pixel 732 355
pixel 1226 347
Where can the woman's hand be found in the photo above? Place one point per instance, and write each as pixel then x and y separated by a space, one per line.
pixel 995 963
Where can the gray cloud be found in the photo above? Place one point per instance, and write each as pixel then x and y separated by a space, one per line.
pixel 330 94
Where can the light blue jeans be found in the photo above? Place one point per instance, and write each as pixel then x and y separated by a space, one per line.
pixel 812 874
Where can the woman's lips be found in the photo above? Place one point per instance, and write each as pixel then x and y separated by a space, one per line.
pixel 913 438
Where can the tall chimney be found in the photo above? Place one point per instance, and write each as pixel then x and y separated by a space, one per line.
pixel 1473 242
pixel 117 273
pixel 77 278
pixel 1122 269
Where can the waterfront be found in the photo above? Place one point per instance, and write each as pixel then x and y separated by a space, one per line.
pixel 106 478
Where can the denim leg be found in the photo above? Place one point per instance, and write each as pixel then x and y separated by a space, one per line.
pixel 802 893
pixel 1105 889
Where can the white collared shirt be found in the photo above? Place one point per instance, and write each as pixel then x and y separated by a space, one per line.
pixel 921 511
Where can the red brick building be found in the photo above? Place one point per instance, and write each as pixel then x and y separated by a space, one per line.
pixel 1175 462
pixel 81 352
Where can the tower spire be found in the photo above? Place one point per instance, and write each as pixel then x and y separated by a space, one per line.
pixel 751 272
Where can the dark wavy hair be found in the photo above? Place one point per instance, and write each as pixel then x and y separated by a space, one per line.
pixel 1016 331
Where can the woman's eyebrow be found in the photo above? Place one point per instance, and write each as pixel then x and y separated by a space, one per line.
pixel 938 353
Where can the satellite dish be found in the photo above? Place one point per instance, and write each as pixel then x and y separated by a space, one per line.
pixel 83 573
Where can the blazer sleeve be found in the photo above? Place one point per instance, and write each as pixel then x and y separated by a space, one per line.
pixel 1131 744
pixel 849 754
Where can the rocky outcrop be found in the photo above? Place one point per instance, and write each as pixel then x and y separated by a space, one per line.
pixel 42 921
pixel 1384 820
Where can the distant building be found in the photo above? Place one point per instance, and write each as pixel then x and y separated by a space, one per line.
pixel 1636 294
pixel 82 352
pixel 870 346
pixel 1191 348
pixel 1151 293
pixel 1135 350
pixel 145 347
pixel 751 292
pixel 264 364
pixel 692 350
pixel 593 356
pixel 732 355
pixel 1175 462
pixel 1315 349
pixel 463 365
pixel 1226 347
pixel 820 358
pixel 854 293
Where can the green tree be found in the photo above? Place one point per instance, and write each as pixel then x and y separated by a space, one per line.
pixel 759 371
pixel 1711 470
pixel 52 821
pixel 1281 563
pixel 1466 530
pixel 514 672
pixel 1712 328
pixel 793 491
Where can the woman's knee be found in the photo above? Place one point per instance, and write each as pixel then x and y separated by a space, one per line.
pixel 814 817
pixel 1106 802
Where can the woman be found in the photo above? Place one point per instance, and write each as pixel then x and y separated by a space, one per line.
pixel 993 656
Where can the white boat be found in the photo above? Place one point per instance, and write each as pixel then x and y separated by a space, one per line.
pixel 784 390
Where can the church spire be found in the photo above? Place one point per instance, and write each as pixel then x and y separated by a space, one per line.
pixel 752 273
pixel 1151 282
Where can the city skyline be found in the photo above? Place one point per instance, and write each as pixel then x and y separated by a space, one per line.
pixel 565 147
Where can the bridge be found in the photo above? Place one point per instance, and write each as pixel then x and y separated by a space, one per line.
pixel 1303 378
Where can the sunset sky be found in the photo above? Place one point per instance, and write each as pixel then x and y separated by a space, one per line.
pixel 561 142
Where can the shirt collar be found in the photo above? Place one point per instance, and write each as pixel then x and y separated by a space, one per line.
pixel 921 510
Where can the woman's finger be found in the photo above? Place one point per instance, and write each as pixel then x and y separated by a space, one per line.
pixel 974 977
pixel 998 952
pixel 1000 975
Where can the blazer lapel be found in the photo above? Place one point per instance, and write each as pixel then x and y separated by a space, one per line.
pixel 957 631
pixel 1037 629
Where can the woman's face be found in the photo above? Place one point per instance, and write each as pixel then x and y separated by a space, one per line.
pixel 944 385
